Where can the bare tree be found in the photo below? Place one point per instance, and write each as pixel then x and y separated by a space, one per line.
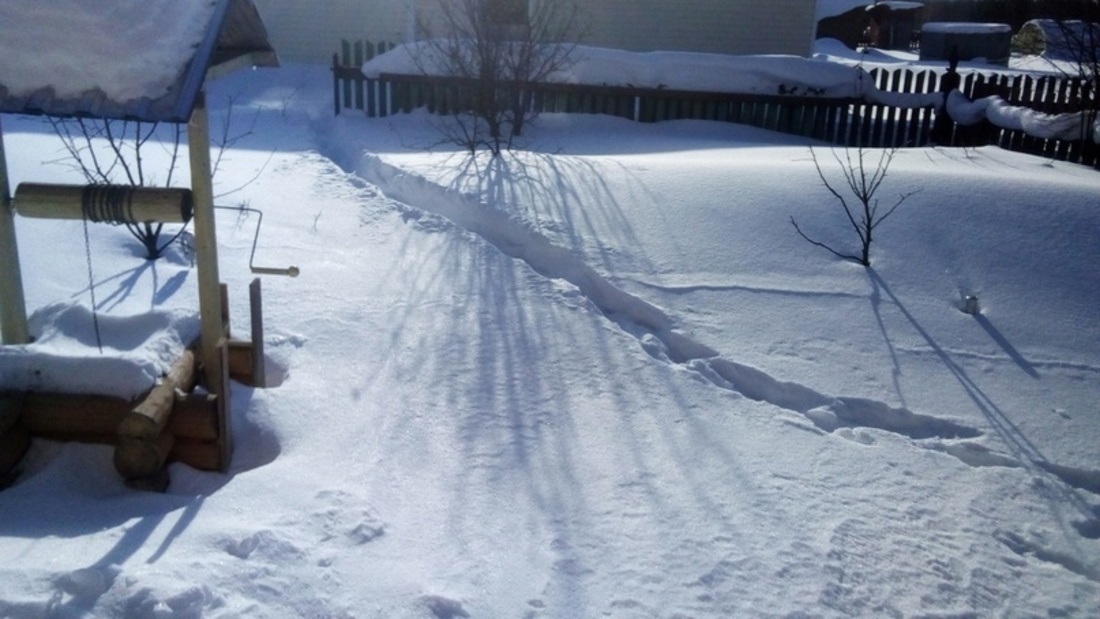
pixel 863 181
pixel 503 48
pixel 110 152
pixel 114 152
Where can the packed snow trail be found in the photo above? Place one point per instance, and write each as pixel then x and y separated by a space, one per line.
pixel 649 324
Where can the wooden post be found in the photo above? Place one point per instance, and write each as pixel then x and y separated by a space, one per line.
pixel 13 307
pixel 256 304
pixel 224 442
pixel 206 251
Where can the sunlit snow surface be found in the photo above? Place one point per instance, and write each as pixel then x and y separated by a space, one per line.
pixel 598 376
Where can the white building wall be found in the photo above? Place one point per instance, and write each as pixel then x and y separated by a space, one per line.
pixel 311 30
pixel 718 26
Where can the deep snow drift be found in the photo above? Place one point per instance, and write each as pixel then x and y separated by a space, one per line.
pixel 601 376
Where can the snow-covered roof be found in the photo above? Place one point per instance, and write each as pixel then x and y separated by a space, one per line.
pixel 136 59
pixel 897 5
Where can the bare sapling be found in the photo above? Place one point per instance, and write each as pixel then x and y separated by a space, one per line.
pixel 861 207
pixel 115 152
pixel 502 49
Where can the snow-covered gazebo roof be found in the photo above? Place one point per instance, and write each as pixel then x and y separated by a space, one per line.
pixel 127 59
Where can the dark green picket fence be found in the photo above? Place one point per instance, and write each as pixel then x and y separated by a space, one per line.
pixel 841 121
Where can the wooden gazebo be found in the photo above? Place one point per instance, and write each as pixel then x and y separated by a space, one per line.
pixel 213 37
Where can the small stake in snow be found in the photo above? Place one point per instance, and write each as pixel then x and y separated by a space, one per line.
pixel 971 305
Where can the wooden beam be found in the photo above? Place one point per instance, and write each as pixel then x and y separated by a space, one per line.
pixel 70 417
pixel 225 423
pixel 13 446
pixel 11 408
pixel 201 455
pixel 195 417
pixel 206 243
pixel 62 436
pixel 46 414
pixel 13 307
pixel 240 362
pixel 213 347
pixel 223 296
pixel 136 204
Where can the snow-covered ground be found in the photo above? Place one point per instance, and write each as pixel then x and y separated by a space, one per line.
pixel 600 376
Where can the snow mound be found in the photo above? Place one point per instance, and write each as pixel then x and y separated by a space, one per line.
pixel 133 351
pixel 597 66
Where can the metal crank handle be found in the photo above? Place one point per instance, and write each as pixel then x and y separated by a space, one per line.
pixel 291 271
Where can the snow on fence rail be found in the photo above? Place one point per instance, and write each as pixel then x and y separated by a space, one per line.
pixel 842 121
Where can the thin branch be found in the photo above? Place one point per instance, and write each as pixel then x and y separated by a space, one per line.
pixel 823 245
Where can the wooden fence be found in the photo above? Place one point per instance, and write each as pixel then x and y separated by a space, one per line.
pixel 842 121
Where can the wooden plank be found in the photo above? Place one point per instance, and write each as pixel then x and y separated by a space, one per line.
pixel 256 305
pixel 95 419
pixel 11 408
pixel 64 414
pixel 13 446
pixel 225 424
pixel 241 367
pixel 335 85
pixel 345 60
pixel 62 436
pixel 195 417
pixel 359 59
pixel 206 243
pixel 202 455
pixel 13 306
pixel 223 294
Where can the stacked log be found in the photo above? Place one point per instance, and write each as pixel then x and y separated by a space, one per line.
pixel 144 442
pixel 173 422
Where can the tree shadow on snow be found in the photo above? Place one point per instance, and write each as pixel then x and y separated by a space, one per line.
pixel 1025 451
pixel 529 377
